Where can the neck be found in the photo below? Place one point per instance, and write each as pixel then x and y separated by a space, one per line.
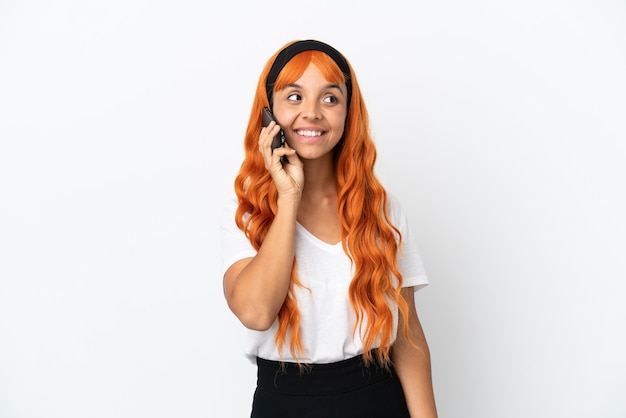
pixel 319 177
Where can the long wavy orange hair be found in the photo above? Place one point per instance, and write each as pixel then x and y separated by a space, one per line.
pixel 368 237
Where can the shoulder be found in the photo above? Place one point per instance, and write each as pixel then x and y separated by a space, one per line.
pixel 230 204
pixel 392 201
pixel 229 209
pixel 394 210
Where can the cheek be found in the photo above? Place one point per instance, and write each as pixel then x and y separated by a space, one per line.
pixel 339 125
pixel 284 118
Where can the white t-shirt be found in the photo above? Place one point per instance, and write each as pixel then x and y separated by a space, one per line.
pixel 327 319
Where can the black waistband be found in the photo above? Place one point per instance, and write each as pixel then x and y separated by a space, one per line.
pixel 319 379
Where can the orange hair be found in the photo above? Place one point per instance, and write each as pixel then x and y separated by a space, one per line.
pixel 368 237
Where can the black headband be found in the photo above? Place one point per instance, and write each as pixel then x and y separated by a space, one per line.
pixel 294 49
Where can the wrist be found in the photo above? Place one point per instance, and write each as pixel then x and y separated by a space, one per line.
pixel 288 204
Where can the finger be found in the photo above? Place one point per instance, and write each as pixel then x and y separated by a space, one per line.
pixel 265 143
pixel 288 153
pixel 277 154
pixel 267 134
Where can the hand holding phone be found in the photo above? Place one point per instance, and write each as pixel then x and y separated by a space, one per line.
pixel 290 178
pixel 279 140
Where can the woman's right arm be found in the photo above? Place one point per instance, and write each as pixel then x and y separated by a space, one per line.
pixel 255 288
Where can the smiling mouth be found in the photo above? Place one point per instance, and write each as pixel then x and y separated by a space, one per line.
pixel 309 133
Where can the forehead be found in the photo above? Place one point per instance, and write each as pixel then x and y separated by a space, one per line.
pixel 313 75
pixel 298 65
pixel 313 79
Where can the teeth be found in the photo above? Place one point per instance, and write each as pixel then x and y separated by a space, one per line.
pixel 309 133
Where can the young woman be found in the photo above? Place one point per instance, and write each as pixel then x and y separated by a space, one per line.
pixel 319 263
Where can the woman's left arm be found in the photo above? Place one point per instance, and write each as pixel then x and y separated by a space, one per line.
pixel 412 364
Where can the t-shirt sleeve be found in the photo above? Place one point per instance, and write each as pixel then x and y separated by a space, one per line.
pixel 410 261
pixel 235 245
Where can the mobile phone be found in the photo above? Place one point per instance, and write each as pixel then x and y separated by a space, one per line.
pixel 279 139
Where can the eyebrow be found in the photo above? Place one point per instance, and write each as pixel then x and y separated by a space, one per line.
pixel 327 86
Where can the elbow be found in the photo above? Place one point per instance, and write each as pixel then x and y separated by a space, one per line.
pixel 253 318
pixel 256 321
pixel 253 314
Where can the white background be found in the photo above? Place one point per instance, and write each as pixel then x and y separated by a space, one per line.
pixel 501 126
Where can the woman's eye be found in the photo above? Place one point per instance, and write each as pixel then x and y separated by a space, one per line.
pixel 294 97
pixel 330 99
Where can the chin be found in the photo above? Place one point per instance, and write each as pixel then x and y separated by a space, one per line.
pixel 314 156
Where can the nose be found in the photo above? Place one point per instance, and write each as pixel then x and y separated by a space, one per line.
pixel 312 110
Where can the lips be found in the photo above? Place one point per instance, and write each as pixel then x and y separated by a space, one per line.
pixel 309 133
